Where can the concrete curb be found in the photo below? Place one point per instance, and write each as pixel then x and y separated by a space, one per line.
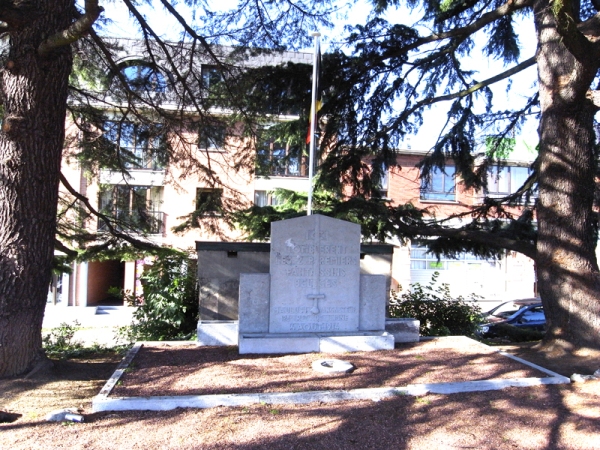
pixel 102 402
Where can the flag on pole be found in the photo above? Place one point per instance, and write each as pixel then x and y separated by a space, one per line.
pixel 318 99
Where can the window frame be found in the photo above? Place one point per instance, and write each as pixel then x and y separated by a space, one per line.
pixel 126 135
pixel 143 80
pixel 494 174
pixel 126 204
pixel 218 201
pixel 274 159
pixel 429 191
pixel 269 198
pixel 210 76
pixel 213 140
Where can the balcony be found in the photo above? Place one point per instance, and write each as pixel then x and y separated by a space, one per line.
pixel 143 159
pixel 280 162
pixel 139 221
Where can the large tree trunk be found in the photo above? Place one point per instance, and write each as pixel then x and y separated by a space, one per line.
pixel 34 95
pixel 569 281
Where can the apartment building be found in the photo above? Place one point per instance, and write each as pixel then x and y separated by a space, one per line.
pixel 510 277
pixel 156 195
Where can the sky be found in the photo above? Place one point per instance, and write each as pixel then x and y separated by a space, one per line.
pixel 164 24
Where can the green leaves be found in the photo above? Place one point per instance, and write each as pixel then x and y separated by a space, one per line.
pixel 439 312
pixel 169 308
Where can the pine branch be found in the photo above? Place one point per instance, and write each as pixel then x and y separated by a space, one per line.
pixel 477 236
pixel 506 9
pixel 76 31
pixel 460 94
pixel 143 245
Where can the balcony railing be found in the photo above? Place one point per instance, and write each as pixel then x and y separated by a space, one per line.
pixel 148 222
pixel 144 160
pixel 282 167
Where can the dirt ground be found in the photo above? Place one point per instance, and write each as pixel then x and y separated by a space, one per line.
pixel 544 417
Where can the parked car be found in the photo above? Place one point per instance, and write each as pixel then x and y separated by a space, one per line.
pixel 506 309
pixel 527 314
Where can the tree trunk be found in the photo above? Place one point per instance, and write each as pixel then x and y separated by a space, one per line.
pixel 34 95
pixel 569 281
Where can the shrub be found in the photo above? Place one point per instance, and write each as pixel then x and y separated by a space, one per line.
pixel 169 308
pixel 59 343
pixel 440 314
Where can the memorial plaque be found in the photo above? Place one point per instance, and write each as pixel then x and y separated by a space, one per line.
pixel 315 275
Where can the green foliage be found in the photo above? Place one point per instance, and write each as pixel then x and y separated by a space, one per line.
pixel 376 217
pixel 440 314
pixel 60 343
pixel 169 308
pixel 499 148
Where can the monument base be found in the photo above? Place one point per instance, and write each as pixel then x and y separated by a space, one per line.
pixel 403 330
pixel 361 341
pixel 218 332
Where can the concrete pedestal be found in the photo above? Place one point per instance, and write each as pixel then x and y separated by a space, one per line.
pixel 314 342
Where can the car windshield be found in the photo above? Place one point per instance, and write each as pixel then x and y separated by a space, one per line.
pixel 505 310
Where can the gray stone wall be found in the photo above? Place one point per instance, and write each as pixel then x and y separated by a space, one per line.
pixel 221 263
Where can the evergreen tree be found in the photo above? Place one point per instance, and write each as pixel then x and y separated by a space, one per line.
pixel 389 73
pixel 55 49
pixel 58 65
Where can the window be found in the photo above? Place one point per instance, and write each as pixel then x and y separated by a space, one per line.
pixel 276 159
pixel 211 77
pixel 382 183
pixel 439 185
pixel 142 77
pixel 134 208
pixel 535 314
pixel 502 181
pixel 211 136
pixel 209 201
pixel 140 145
pixel 265 198
pixel 421 260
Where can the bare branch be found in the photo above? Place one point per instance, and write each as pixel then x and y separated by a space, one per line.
pixel 572 37
pixel 591 28
pixel 476 87
pixel 75 31
pixel 63 248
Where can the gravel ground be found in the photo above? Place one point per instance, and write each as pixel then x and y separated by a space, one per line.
pixel 163 369
pixel 541 417
pixel 544 417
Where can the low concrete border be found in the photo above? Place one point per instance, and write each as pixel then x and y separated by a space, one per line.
pixel 102 402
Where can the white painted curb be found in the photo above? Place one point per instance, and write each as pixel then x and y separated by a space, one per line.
pixel 102 402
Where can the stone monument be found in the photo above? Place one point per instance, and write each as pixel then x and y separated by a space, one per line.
pixel 314 298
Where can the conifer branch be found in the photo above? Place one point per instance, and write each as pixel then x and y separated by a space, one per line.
pixel 507 8
pixel 107 221
pixel 76 31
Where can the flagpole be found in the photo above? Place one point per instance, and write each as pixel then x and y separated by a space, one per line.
pixel 313 124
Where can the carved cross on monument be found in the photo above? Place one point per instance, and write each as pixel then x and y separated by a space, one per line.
pixel 315 298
